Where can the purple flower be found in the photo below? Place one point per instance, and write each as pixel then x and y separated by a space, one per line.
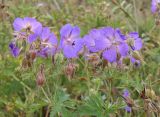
pixel 126 93
pixel 134 41
pixel 95 41
pixel 128 109
pixel 70 42
pixel 135 44
pixel 154 5
pixel 28 26
pixel 14 49
pixel 117 46
pixel 48 43
pixel 108 40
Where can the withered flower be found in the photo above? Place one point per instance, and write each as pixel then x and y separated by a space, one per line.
pixel 93 59
pixel 40 76
pixel 29 59
pixel 70 70
pixel 128 100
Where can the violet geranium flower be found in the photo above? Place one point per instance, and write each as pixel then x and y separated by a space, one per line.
pixel 135 44
pixel 117 46
pixel 70 42
pixel 128 109
pixel 14 49
pixel 29 27
pixel 48 43
pixel 126 95
pixel 108 40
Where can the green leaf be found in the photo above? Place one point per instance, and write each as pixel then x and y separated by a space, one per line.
pixel 94 105
pixel 58 102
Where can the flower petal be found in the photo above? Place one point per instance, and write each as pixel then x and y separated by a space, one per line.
pixel 32 38
pixel 134 34
pixel 78 44
pixel 69 52
pixel 14 50
pixel 122 36
pixel 43 52
pixel 128 109
pixel 75 32
pixel 154 6
pixel 102 43
pixel 126 93
pixel 123 49
pixel 66 30
pixel 36 27
pixel 18 24
pixel 29 20
pixel 110 55
pixel 45 33
pixel 108 32
pixel 52 39
pixel 90 43
pixel 138 44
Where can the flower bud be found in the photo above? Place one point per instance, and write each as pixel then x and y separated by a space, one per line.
pixel 130 42
pixel 114 2
pixel 70 70
pixel 136 55
pixel 40 76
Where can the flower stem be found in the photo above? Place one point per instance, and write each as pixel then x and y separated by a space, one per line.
pixel 45 94
pixel 22 83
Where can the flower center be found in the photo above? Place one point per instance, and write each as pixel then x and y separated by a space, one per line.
pixel 69 41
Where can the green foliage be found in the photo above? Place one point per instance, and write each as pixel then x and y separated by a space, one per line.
pixel 62 104
pixel 94 106
pixel 91 91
